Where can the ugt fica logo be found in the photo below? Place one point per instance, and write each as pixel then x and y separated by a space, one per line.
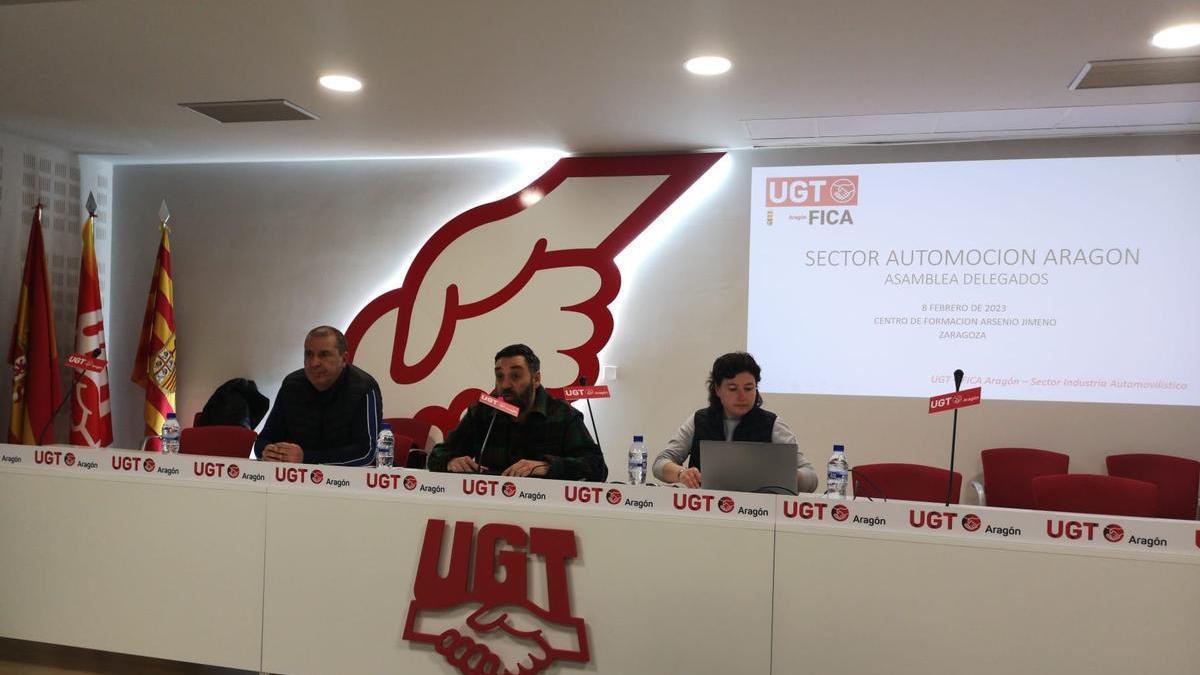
pixel 487 582
pixel 790 191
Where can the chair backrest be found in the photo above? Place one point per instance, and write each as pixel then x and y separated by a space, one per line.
pixel 909 482
pixel 1008 474
pixel 423 434
pixel 1091 493
pixel 217 441
pixel 1177 478
pixel 403 445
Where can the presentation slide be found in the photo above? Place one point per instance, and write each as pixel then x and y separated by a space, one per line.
pixel 1042 279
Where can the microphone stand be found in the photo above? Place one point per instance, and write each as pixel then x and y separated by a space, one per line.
pixel 958 378
pixel 486 435
pixel 70 392
pixel 870 482
pixel 595 432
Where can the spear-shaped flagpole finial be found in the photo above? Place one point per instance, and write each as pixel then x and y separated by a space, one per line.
pixel 91 204
pixel 164 214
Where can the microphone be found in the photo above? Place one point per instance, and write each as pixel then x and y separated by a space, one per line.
pixel 595 432
pixel 958 378
pixel 496 405
pixel 80 370
pixel 483 446
pixel 870 482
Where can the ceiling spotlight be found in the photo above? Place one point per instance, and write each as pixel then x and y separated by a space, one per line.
pixel 340 82
pixel 708 65
pixel 1177 37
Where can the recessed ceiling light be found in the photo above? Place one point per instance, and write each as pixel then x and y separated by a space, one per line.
pixel 708 65
pixel 1177 37
pixel 340 82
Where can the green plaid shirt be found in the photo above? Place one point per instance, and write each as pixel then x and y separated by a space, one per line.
pixel 552 432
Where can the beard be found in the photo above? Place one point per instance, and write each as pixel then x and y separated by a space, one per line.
pixel 522 398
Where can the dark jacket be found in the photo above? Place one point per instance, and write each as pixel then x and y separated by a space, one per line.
pixel 335 426
pixel 552 432
pixel 235 403
pixel 756 426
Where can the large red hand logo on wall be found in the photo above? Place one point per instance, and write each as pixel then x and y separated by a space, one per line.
pixel 498 608
pixel 445 304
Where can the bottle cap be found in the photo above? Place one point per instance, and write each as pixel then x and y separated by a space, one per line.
pixel 637 439
pixel 839 448
pixel 170 416
pixel 385 425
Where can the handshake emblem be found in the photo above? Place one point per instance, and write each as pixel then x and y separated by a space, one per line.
pixel 479 616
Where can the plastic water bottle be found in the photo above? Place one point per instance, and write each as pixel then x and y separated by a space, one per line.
pixel 384 446
pixel 835 473
pixel 637 462
pixel 169 436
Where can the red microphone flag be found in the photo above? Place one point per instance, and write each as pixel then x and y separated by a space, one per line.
pixel 33 352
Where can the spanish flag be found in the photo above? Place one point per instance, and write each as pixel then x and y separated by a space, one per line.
pixel 154 366
pixel 91 418
pixel 33 352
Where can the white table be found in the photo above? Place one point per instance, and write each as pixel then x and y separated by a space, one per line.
pixel 254 565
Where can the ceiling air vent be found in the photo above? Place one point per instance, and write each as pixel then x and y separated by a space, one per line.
pixel 976 125
pixel 1138 72
pixel 267 110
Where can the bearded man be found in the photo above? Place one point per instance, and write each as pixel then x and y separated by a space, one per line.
pixel 547 438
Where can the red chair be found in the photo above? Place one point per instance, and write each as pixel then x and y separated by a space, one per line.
pixel 909 482
pixel 403 446
pixel 1008 474
pixel 1090 493
pixel 423 437
pixel 217 441
pixel 423 434
pixel 1177 478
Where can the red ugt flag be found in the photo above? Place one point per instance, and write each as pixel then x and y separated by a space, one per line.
pixel 91 418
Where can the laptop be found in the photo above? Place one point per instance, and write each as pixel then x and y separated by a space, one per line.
pixel 742 466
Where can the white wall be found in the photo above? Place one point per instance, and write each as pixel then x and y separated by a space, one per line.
pixel 262 252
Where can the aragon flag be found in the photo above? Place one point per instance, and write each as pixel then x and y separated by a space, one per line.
pixel 33 352
pixel 154 366
pixel 91 416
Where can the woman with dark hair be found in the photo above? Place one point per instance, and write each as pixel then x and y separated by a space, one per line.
pixel 734 413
